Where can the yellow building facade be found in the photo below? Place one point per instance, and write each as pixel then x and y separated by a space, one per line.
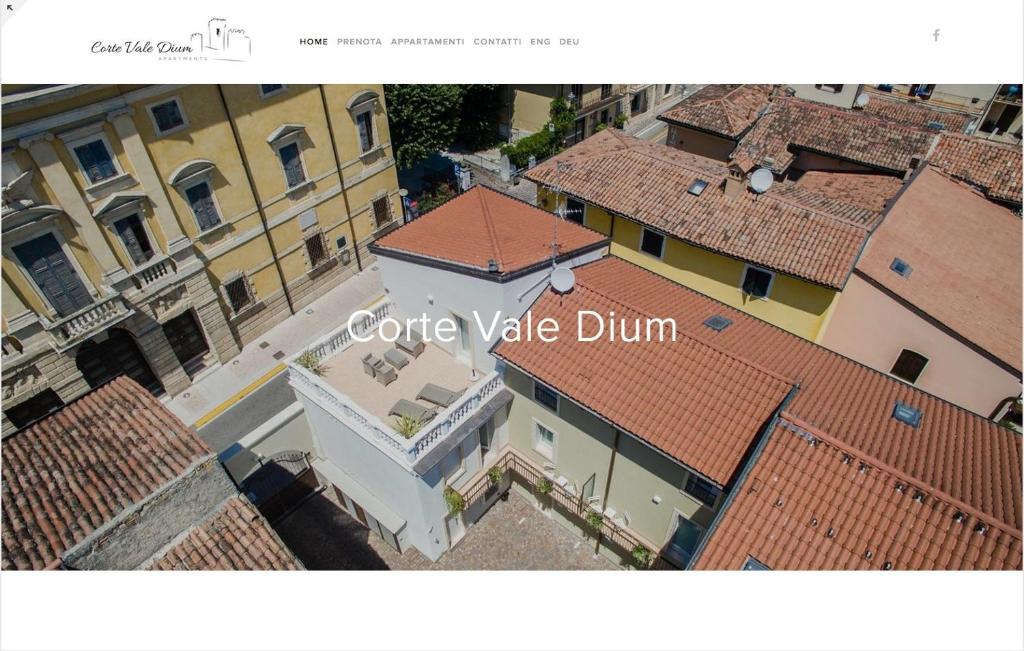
pixel 800 307
pixel 155 230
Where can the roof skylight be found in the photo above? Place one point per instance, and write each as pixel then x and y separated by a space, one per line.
pixel 901 267
pixel 697 187
pixel 906 414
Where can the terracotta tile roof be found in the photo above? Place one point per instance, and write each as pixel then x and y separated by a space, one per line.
pixel 236 537
pixel 648 183
pixel 68 474
pixel 724 109
pixel 791 124
pixel 953 451
pixel 734 397
pixel 812 507
pixel 916 115
pixel 867 192
pixel 993 167
pixel 481 225
pixel 965 255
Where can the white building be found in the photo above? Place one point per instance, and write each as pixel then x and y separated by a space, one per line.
pixel 461 270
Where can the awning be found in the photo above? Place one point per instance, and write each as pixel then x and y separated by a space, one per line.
pixel 380 511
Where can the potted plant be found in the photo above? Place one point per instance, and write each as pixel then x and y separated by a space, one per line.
pixel 544 486
pixel 407 426
pixel 456 503
pixel 641 557
pixel 620 120
pixel 494 475
pixel 594 521
pixel 309 361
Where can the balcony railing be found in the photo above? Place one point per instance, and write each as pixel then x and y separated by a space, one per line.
pixel 612 534
pixel 83 324
pixel 370 427
pixel 11 347
pixel 154 273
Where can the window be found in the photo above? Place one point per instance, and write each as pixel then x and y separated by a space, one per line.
pixel 544 441
pixel 668 89
pixel 294 174
pixel 135 239
pixel 38 406
pixel 717 322
pixel 456 466
pixel 576 94
pixel 364 122
pixel 316 249
pixel 909 365
pixel 238 293
pixel 757 282
pixel 486 439
pixel 906 414
pixel 652 243
pixel 702 489
pixel 167 116
pixel 901 267
pixel 95 159
pixel 683 540
pixel 200 198
pixel 753 564
pixel 266 90
pixel 50 269
pixel 697 187
pixel 830 88
pixel 545 395
pixel 381 211
pixel 574 210
pixel 606 91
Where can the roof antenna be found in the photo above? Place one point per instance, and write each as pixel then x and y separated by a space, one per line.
pixel 562 278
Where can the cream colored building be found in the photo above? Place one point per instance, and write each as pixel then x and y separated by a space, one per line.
pixel 155 230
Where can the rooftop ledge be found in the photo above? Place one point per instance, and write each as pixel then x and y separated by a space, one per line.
pixel 362 403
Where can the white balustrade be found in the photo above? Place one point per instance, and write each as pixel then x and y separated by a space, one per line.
pixel 83 324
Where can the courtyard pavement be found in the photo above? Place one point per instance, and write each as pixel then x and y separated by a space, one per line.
pixel 263 358
pixel 512 535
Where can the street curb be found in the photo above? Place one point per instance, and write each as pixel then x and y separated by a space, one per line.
pixel 222 407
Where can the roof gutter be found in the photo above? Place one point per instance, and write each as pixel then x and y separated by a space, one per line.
pixel 742 478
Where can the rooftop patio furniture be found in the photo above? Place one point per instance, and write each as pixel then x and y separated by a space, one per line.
pixel 369 364
pixel 384 373
pixel 412 410
pixel 411 342
pixel 396 358
pixel 438 395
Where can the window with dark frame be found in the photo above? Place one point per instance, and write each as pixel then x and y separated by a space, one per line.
pixel 238 293
pixel 292 162
pixel 382 211
pixel 365 123
pixel 134 238
pixel 96 160
pixel 702 489
pixel 574 210
pixel 316 249
pixel 167 116
pixel 757 282
pixel 830 88
pixel 200 199
pixel 269 89
pixel 545 395
pixel 909 365
pixel 652 243
pixel 606 91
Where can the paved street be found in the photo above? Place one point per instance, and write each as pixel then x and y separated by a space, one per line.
pixel 512 535
pixel 249 413
pixel 269 351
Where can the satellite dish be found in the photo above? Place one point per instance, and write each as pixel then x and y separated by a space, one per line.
pixel 862 100
pixel 562 279
pixel 761 180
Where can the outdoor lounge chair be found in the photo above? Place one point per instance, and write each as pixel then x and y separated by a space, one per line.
pixel 384 373
pixel 438 395
pixel 410 342
pixel 369 364
pixel 409 408
pixel 396 358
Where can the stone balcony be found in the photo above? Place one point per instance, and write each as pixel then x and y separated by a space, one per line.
pixel 343 389
pixel 76 328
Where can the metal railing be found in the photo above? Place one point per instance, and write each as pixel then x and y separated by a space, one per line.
pixel 612 534
pixel 81 325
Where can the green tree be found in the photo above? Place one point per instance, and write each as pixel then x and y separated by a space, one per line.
pixel 480 116
pixel 424 119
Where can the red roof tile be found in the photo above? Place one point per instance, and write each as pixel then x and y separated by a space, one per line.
pixel 649 183
pixel 724 109
pixel 68 474
pixel 864 195
pixel 236 537
pixel 482 225
pixel 951 451
pixel 791 124
pixel 965 255
pixel 807 506
pixel 915 114
pixel 993 167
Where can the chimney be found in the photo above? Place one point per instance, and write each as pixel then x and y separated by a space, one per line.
pixel 915 162
pixel 734 182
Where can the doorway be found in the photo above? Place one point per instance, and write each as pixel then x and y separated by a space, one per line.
pixel 187 341
pixel 118 354
pixel 463 343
